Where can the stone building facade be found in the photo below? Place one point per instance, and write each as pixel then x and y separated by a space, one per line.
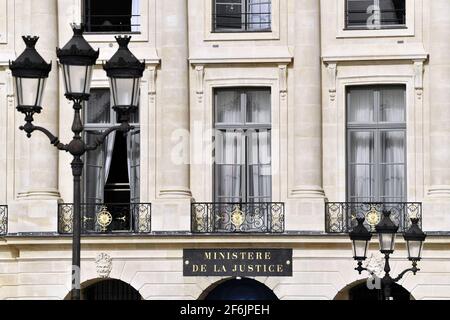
pixel 310 58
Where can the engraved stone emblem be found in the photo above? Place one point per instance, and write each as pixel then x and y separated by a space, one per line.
pixel 103 262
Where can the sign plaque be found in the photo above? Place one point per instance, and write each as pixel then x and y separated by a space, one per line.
pixel 237 262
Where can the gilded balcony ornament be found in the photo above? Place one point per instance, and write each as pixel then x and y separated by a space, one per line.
pixel 237 217
pixel 104 218
pixel 373 217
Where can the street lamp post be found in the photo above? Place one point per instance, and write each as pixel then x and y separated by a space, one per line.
pixel 77 58
pixel 387 231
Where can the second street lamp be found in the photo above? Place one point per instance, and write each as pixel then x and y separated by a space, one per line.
pixel 77 59
pixel 387 231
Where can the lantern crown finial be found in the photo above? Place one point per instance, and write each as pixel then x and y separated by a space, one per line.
pixel 123 41
pixel 78 29
pixel 30 41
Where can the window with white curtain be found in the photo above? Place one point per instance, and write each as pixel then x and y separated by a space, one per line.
pixel 242 15
pixel 375 14
pixel 111 173
pixel 376 143
pixel 111 15
pixel 242 172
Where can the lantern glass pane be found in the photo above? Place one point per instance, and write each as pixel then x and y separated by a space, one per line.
pixel 414 249
pixel 360 248
pixel 77 79
pixel 387 241
pixel 29 91
pixel 125 91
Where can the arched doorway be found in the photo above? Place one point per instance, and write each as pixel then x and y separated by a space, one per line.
pixel 110 289
pixel 359 291
pixel 239 289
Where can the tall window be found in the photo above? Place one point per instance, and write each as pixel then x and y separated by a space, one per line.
pixel 111 15
pixel 375 14
pixel 111 172
pixel 243 146
pixel 376 143
pixel 242 15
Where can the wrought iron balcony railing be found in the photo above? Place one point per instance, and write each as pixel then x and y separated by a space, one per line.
pixel 237 217
pixel 3 220
pixel 107 218
pixel 340 217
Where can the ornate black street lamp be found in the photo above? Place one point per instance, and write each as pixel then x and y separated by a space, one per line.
pixel 387 231
pixel 77 59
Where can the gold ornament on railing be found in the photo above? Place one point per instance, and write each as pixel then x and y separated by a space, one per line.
pixel 104 218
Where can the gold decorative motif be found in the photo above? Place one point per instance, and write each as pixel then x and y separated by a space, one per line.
pixel 124 218
pixel 373 217
pixel 237 217
pixel 104 218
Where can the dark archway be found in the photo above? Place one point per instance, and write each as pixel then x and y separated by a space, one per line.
pixel 239 289
pixel 110 289
pixel 360 292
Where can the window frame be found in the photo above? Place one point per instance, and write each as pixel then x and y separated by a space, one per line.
pixel 246 129
pixel 377 127
pixel 100 127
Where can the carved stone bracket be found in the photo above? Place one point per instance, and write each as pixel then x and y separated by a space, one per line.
pixel 283 80
pixel 418 78
pixel 200 78
pixel 332 75
pixel 9 89
pixel 152 82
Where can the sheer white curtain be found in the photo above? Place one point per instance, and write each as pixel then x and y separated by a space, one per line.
pixel 228 107
pixel 230 158
pixel 259 14
pixel 133 162
pixel 393 171
pixel 362 182
pixel 109 143
pixel 361 105
pixel 94 177
pixel 97 113
pixel 361 144
pixel 259 166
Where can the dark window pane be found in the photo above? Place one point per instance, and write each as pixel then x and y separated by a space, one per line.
pixel 242 15
pixel 228 106
pixel 111 16
pixel 360 103
pixel 375 13
pixel 258 106
pixel 393 103
pixel 228 14
pixel 98 107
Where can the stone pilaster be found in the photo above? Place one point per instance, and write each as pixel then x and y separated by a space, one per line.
pixel 36 208
pixel 306 182
pixel 439 75
pixel 171 209
pixel 174 101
